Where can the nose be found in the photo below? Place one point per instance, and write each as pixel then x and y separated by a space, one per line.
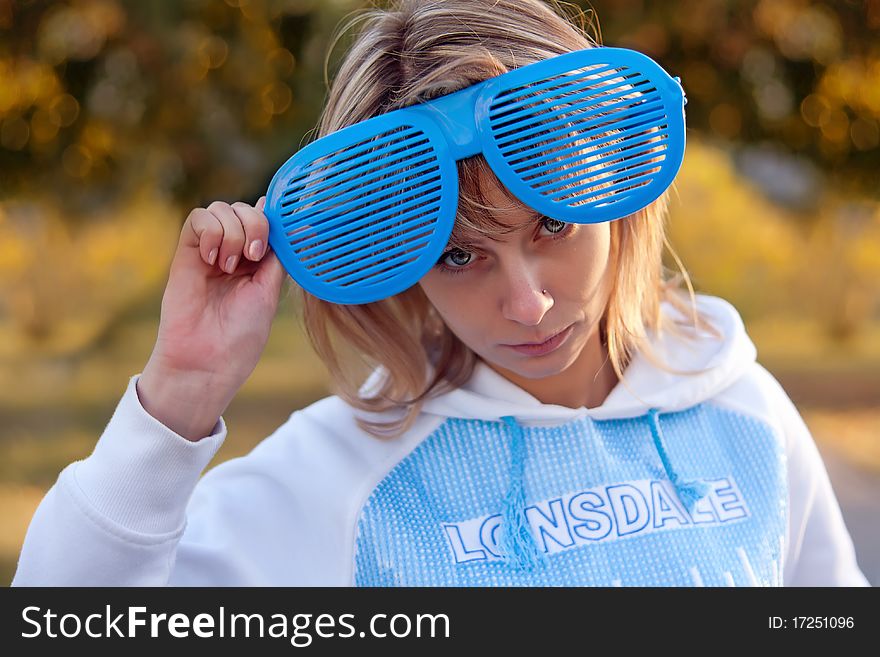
pixel 522 298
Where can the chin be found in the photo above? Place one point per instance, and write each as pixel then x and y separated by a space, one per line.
pixel 537 368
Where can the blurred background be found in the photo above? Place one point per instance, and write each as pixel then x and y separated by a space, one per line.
pixel 118 117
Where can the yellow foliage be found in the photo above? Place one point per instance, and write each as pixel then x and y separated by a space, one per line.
pixel 864 253
pixel 62 287
pixel 733 242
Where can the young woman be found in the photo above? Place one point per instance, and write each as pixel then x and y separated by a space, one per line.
pixel 547 406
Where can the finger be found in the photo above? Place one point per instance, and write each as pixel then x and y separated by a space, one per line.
pixel 261 203
pixel 256 230
pixel 271 273
pixel 233 236
pixel 205 233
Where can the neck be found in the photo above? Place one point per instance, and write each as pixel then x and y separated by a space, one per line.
pixel 587 382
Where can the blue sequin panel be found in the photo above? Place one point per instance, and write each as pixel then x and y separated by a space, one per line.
pixel 598 503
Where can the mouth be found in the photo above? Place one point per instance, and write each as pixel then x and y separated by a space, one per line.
pixel 541 348
pixel 541 342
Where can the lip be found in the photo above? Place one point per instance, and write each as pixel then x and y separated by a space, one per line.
pixel 545 347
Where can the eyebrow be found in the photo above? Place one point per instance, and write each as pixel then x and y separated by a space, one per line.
pixel 476 240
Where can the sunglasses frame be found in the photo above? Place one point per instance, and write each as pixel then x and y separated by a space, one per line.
pixel 457 126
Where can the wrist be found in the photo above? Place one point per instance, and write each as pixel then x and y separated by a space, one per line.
pixel 190 404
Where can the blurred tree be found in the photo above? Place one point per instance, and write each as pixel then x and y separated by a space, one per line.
pixel 203 98
pixel 115 114
pixel 839 279
pixel 801 73
pixel 207 97
pixel 734 243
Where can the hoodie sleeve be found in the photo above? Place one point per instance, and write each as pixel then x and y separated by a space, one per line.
pixel 819 549
pixel 116 517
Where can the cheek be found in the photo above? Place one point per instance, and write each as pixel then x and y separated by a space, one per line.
pixel 588 263
pixel 445 299
pixel 434 289
pixel 598 259
pixel 458 310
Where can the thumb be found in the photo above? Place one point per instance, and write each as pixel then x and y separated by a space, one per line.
pixel 271 273
pixel 261 203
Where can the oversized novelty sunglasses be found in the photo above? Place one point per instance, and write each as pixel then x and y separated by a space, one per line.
pixel 588 136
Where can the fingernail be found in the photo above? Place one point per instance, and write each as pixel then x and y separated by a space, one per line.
pixel 212 256
pixel 256 249
pixel 230 264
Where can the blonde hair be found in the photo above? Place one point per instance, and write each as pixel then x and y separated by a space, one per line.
pixel 416 50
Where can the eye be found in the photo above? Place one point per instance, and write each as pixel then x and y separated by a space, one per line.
pixel 459 259
pixel 554 225
pixel 456 258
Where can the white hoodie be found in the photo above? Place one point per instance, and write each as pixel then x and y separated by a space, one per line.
pixel 710 479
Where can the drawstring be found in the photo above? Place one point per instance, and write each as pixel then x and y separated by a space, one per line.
pixel 688 491
pixel 517 542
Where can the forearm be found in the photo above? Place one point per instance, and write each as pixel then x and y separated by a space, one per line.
pixel 115 517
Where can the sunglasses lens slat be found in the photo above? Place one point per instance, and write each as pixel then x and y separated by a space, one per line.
pixel 351 156
pixel 595 141
pixel 512 93
pixel 381 217
pixel 353 200
pixel 533 174
pixel 623 178
pixel 347 250
pixel 341 175
pixel 355 220
pixel 370 221
pixel 600 160
pixel 583 100
pixel 608 173
pixel 362 273
pixel 584 129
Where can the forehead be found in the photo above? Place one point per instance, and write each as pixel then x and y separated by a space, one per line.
pixel 496 195
pixel 487 209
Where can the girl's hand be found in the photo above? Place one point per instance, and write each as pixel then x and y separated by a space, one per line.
pixel 217 310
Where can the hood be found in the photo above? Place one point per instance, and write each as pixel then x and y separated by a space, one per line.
pixel 720 362
pixel 646 392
